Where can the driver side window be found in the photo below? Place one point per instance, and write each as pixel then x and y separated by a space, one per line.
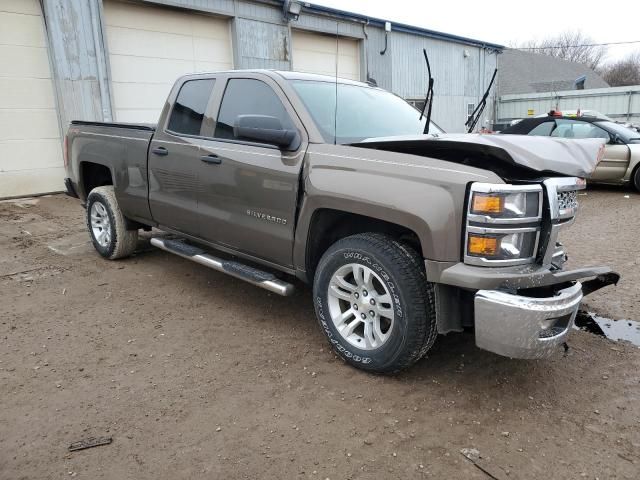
pixel 245 96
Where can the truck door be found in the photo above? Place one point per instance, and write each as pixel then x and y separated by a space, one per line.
pixel 174 159
pixel 249 190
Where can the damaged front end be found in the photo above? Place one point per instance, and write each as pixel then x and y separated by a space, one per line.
pixel 511 280
pixel 531 319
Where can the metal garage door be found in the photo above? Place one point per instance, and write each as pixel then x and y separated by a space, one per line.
pixel 149 47
pixel 30 149
pixel 316 53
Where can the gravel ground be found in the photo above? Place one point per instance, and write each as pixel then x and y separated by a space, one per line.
pixel 197 375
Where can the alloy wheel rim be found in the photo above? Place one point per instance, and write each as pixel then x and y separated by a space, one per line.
pixel 100 224
pixel 360 306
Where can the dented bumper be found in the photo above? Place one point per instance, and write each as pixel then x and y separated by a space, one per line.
pixel 524 327
pixel 520 326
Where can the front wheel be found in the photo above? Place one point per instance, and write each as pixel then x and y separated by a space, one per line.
pixel 374 303
pixel 635 179
pixel 107 226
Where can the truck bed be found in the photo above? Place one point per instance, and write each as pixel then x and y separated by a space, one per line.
pixel 117 151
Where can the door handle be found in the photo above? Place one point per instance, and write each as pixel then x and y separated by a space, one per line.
pixel 160 151
pixel 212 159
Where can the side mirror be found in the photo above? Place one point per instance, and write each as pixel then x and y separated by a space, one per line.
pixel 263 129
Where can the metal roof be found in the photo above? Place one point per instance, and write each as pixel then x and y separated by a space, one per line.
pixel 528 72
pixel 400 27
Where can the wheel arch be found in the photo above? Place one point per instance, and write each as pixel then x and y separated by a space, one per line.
pixel 328 226
pixel 92 175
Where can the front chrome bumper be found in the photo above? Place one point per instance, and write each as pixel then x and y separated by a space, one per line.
pixel 524 327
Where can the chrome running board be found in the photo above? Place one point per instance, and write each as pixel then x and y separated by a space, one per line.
pixel 256 277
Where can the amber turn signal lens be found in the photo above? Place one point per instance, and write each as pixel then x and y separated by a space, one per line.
pixel 479 245
pixel 487 203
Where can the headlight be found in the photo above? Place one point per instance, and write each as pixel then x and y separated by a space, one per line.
pixel 498 244
pixel 521 205
pixel 503 224
pixel 490 203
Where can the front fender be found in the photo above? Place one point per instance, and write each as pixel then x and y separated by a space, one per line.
pixel 424 195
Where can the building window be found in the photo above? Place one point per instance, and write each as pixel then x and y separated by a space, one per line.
pixel 417 103
pixel 470 108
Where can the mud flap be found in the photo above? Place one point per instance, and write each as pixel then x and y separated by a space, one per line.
pixel 590 286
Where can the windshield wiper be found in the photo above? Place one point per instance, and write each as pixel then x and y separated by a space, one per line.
pixel 428 100
pixel 477 113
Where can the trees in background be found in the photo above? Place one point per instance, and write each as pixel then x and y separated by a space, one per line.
pixel 572 45
pixel 575 46
pixel 624 72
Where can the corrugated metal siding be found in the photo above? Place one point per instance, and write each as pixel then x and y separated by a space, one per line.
pixel 330 25
pixel 378 67
pixel 619 103
pixel 262 45
pixel 73 51
pixel 261 39
pixel 459 79
pixel 259 11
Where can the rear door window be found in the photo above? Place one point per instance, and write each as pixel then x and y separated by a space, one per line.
pixel 543 130
pixel 190 106
pixel 244 96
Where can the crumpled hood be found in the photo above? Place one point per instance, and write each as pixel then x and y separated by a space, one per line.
pixel 569 157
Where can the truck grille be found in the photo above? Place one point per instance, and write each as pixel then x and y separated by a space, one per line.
pixel 562 193
pixel 568 200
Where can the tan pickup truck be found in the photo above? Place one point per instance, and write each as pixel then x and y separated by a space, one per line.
pixel 403 236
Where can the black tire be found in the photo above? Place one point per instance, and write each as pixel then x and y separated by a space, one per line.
pixel 635 179
pixel 401 272
pixel 121 242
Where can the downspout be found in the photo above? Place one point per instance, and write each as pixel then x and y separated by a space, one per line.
pixel 96 30
pixel 368 77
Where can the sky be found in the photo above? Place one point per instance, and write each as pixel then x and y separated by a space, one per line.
pixel 504 22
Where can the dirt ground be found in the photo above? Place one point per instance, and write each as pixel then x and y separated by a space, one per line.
pixel 197 375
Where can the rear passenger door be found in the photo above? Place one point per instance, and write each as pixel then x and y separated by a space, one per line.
pixel 249 190
pixel 174 161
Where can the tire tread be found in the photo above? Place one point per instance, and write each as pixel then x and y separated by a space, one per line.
pixel 422 329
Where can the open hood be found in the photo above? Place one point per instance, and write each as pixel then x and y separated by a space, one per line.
pixel 510 156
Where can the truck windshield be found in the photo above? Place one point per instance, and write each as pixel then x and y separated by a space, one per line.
pixel 363 112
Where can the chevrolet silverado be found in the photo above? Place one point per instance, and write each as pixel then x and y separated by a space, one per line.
pixel 271 176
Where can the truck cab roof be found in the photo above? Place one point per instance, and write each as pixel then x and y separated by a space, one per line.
pixel 282 74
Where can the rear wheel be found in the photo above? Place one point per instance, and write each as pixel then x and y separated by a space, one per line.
pixel 374 304
pixel 107 225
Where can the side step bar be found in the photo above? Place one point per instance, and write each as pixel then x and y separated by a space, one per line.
pixel 256 277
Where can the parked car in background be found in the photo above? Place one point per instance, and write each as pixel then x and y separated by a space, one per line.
pixel 621 162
